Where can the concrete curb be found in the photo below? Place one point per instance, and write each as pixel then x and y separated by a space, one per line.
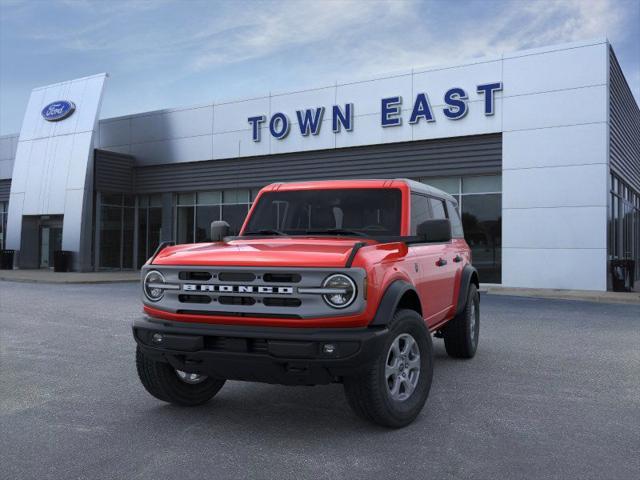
pixel 65 282
pixel 627 298
pixel 74 278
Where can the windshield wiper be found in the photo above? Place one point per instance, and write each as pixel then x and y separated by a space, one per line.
pixel 266 231
pixel 336 231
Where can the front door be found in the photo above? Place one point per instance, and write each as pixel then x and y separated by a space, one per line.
pixel 50 242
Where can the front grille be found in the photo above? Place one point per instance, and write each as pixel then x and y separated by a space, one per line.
pixel 281 277
pixel 236 276
pixel 195 276
pixel 269 292
pixel 194 299
pixel 282 302
pixel 236 300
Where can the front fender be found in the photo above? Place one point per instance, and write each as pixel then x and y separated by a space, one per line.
pixel 389 302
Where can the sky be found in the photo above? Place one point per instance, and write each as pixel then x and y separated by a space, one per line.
pixel 169 53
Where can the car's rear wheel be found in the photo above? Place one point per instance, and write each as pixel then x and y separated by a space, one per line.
pixel 175 386
pixel 462 333
pixel 394 387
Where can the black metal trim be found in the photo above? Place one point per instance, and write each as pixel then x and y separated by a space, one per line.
pixel 465 280
pixel 389 303
pixel 354 251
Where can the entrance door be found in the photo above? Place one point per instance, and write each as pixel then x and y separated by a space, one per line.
pixel 50 241
pixel 45 255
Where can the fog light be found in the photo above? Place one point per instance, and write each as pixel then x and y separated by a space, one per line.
pixel 157 338
pixel 328 348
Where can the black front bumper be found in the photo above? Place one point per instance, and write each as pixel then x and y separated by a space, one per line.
pixel 290 356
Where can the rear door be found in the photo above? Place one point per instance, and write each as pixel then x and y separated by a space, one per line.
pixel 446 264
pixel 460 247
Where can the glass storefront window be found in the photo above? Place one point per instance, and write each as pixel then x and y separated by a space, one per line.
pixel 116 231
pixel 186 198
pixel 204 216
pixel 209 198
pixel 149 226
pixel 234 215
pixel 480 205
pixel 110 236
pixel 3 223
pixel 195 211
pixel 624 232
pixel 451 185
pixel 185 224
pixel 484 184
pixel 482 222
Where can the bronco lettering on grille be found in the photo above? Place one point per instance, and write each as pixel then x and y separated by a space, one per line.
pixel 192 287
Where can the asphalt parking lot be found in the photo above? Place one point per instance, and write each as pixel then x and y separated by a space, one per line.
pixel 554 392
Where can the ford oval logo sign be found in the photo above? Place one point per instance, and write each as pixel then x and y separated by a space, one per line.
pixel 56 111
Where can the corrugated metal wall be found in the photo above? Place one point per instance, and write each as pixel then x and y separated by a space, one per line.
pixel 5 189
pixel 113 172
pixel 479 154
pixel 624 127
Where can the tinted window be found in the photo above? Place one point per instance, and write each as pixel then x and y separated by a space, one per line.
pixel 456 224
pixel 482 219
pixel 365 210
pixel 419 211
pixel 437 207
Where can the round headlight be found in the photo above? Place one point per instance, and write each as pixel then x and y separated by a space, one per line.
pixel 150 285
pixel 344 291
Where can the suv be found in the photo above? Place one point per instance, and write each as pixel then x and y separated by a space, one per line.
pixel 327 281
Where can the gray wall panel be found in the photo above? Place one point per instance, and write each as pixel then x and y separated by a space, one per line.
pixel 113 172
pixel 479 154
pixel 5 189
pixel 624 127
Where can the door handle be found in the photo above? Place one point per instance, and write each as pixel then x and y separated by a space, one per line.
pixel 441 262
pixel 457 259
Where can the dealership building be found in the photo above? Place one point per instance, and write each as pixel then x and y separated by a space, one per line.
pixel 540 147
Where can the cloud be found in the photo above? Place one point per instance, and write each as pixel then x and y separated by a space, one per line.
pixel 170 52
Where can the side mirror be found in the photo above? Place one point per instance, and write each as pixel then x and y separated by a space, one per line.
pixel 219 230
pixel 436 230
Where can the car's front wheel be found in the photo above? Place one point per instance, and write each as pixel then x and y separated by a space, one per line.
pixel 395 386
pixel 175 386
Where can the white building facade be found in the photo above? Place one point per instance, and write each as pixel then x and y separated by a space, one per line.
pixel 541 148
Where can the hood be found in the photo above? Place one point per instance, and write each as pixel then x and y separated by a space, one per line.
pixel 263 252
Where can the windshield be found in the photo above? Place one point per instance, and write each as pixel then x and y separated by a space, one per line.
pixel 357 211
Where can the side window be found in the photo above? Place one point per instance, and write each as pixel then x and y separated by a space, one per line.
pixel 419 211
pixel 437 207
pixel 456 224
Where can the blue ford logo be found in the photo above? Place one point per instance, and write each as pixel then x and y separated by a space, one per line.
pixel 59 110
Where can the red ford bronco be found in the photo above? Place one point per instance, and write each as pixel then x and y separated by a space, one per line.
pixel 327 281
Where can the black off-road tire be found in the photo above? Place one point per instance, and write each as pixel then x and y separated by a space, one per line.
pixel 161 380
pixel 368 394
pixel 462 333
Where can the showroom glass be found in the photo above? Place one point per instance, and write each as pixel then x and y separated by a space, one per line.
pixel 196 210
pixel 480 205
pixel 624 224
pixel 149 226
pixel 116 231
pixel 365 210
pixel 3 223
